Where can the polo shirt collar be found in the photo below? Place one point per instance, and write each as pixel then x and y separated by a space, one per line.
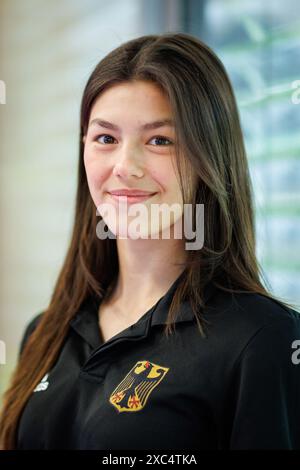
pixel 86 321
pixel 186 313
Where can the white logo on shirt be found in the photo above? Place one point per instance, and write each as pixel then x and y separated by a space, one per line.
pixel 43 385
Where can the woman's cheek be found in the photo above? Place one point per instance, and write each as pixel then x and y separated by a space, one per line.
pixel 90 154
pixel 95 178
pixel 162 176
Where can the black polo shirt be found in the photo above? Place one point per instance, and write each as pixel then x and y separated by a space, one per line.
pixel 237 388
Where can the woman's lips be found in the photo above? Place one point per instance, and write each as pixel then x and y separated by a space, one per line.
pixel 131 199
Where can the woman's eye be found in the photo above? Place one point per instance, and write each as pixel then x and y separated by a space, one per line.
pixel 104 135
pixel 108 139
pixel 160 138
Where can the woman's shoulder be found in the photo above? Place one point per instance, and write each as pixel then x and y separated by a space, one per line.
pixel 262 345
pixel 29 329
pixel 253 309
pixel 242 319
pixel 266 310
pixel 254 349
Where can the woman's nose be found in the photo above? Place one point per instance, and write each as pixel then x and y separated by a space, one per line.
pixel 128 163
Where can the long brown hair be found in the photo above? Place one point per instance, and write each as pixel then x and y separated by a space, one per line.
pixel 212 170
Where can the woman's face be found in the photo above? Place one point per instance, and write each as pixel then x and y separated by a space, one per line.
pixel 123 150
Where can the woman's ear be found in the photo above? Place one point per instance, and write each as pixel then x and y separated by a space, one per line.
pixel 84 139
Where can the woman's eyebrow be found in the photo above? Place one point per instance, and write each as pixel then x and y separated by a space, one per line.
pixel 146 126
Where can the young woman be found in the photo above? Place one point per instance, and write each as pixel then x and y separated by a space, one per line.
pixel 150 343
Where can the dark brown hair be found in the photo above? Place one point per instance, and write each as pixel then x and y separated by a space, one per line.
pixel 212 169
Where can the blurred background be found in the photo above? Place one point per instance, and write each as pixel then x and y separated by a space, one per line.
pixel 47 52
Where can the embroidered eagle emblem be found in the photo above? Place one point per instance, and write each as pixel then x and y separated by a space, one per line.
pixel 133 392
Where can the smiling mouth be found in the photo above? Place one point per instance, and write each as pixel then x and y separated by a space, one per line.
pixel 131 199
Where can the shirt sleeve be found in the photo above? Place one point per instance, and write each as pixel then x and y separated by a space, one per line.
pixel 29 329
pixel 266 391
